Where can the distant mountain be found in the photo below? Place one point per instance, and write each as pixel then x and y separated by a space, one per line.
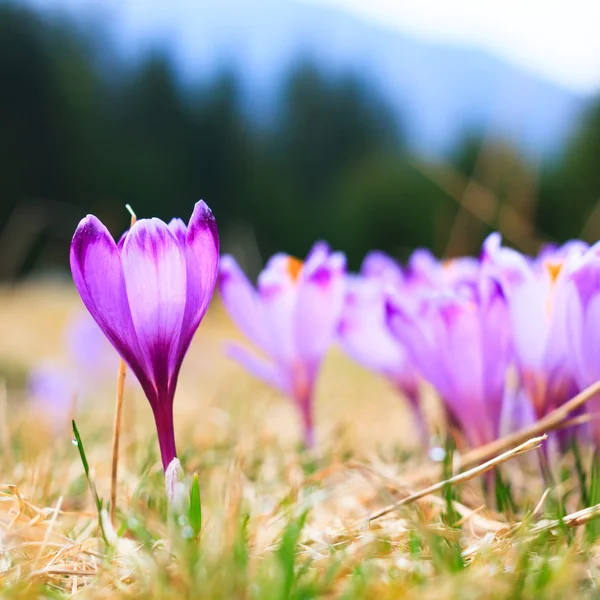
pixel 439 91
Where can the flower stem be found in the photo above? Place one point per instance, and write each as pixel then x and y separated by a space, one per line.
pixel 308 427
pixel 163 417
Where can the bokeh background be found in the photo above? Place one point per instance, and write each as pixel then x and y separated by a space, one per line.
pixel 369 126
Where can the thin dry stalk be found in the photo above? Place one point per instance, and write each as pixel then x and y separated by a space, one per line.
pixel 580 517
pixel 484 209
pixel 116 437
pixel 532 444
pixel 591 228
pixel 4 430
pixel 117 423
pixel 540 505
pixel 46 539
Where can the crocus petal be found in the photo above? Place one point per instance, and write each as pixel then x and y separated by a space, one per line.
pixel 243 303
pixel 155 278
pixel 415 334
pixel 318 253
pixel 529 323
pixel 263 369
pixel 319 307
pixel 363 332
pixel 179 230
pixel 497 350
pixel 383 267
pixel 202 268
pixel 98 276
pixel 277 286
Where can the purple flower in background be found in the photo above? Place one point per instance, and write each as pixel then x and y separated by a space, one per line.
pixel 424 271
pixel 364 335
pixel 52 390
pixel 582 301
pixel 535 296
pixel 90 352
pixel 148 294
pixel 292 317
pixel 459 339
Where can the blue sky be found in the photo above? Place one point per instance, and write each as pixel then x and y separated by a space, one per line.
pixel 557 39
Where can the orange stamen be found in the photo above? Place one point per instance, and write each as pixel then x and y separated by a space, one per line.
pixel 447 264
pixel 553 269
pixel 294 268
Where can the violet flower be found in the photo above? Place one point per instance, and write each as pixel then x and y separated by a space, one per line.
pixel 148 294
pixel 535 297
pixel 364 335
pixel 53 392
pixel 459 338
pixel 425 272
pixel 90 353
pixel 582 301
pixel 292 318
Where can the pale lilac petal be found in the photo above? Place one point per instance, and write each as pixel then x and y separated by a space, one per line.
pixel 530 323
pixel 243 303
pixel 363 332
pixel 154 267
pixel 490 246
pixel 278 289
pixel 457 271
pixel 497 346
pixel 382 266
pixel 462 351
pixel 576 335
pixel 510 267
pixel 414 330
pixel 90 351
pixel 319 307
pixel 318 253
pixel 202 268
pixel 98 276
pixel 422 260
pixel 517 413
pixel 586 274
pixel 590 350
pixel 263 369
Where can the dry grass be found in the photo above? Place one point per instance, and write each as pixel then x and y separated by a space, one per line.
pixel 257 488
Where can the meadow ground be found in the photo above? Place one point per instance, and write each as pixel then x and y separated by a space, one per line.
pixel 276 522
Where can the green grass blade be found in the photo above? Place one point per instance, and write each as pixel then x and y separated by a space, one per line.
pixel 195 511
pixel 86 469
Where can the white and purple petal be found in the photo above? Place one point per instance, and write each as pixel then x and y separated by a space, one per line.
pixel 154 269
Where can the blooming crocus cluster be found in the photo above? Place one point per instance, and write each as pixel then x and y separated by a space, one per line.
pixel 292 317
pixel 504 338
pixel 148 294
pixel 581 317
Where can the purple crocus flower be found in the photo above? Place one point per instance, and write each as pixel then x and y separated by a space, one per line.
pixel 292 317
pixel 424 271
pixel 148 294
pixel 535 296
pixel 90 353
pixel 53 391
pixel 582 301
pixel 459 338
pixel 364 335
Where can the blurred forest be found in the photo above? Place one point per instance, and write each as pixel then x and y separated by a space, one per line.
pixel 84 131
